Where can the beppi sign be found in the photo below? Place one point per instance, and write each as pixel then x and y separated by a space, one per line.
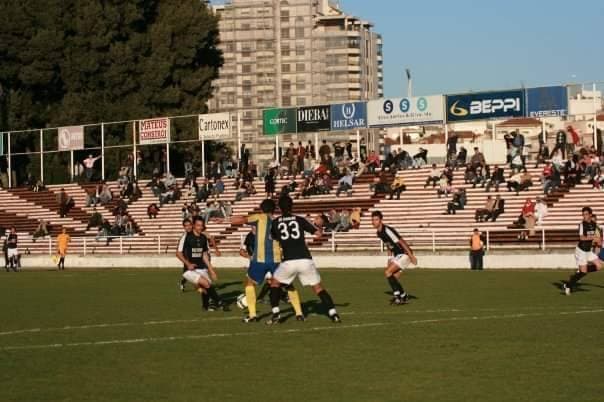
pixel 405 111
pixel 279 121
pixel 348 116
pixel 547 102
pixel 214 126
pixel 154 131
pixel 311 119
pixel 483 106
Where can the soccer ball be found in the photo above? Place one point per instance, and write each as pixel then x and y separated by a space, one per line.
pixel 242 301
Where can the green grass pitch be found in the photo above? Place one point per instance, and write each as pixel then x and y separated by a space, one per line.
pixel 125 335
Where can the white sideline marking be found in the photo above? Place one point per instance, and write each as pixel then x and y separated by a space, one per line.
pixel 186 337
pixel 290 331
pixel 394 311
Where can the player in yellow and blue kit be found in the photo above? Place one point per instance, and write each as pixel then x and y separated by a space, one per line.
pixel 265 259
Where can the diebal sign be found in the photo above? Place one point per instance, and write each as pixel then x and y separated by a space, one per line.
pixel 486 105
pixel 348 116
pixel 311 119
pixel 214 126
pixel 279 121
pixel 405 111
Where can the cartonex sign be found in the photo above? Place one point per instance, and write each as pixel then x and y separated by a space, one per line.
pixel 348 116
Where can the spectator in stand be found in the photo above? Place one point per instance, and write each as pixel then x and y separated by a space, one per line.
pixel 469 174
pixel 211 211
pixel 560 145
pixel 477 159
pixel 397 187
pixel 93 196
pixel 476 250
pixel 480 176
pixel 498 209
pixel 325 152
pixel 550 180
pixel 363 151
pixel 89 166
pixel 433 176
pixel 349 149
pixel 104 231
pixel 152 211
pixel 452 145
pixel 576 140
pixel 345 184
pixel 373 162
pixel 65 203
pixel 496 179
pixel 301 154
pixel 185 212
pixel 541 211
pixel 289 188
pixel 344 223
pixel 482 213
pixel 527 219
pixel 462 157
pixel 543 152
pixel 421 158
pixel 572 174
pixel 95 220
pixel 355 217
pixel 41 230
pixel 129 227
pixel 169 196
pixel 444 187
pixel 218 188
pixel 458 201
pixel 310 151
pixel 269 184
pixel 518 145
pixel 598 182
pixel 520 182
pixel 379 186
pixel 517 163
pixel 39 186
pixel 105 196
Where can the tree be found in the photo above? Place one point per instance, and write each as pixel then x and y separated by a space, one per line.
pixel 71 62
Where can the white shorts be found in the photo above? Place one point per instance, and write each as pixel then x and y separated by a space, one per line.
pixel 402 261
pixel 194 276
pixel 304 269
pixel 12 252
pixel 584 257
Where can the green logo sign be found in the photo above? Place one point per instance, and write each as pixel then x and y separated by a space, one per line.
pixel 279 121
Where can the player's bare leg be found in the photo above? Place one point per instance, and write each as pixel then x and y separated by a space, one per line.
pixel 392 273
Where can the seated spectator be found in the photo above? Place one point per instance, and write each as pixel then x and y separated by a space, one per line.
pixel 345 184
pixel 572 175
pixel 520 182
pixel 152 211
pixel 185 212
pixel 433 176
pixel 289 187
pixel 104 231
pixel 462 157
pixel 93 196
pixel 421 158
pixel 95 220
pixel 444 187
pixel 480 176
pixel 333 218
pixel 344 223
pixel 157 187
pixel 38 186
pixel 482 213
pixel 373 162
pixel 129 227
pixel 379 186
pixel 41 231
pixel 558 160
pixel 397 187
pixel 166 197
pixel 218 189
pixel 477 159
pixel 212 210
pixel 458 202
pixel 496 179
pixel 169 180
pixel 105 196
pixel 598 181
pixel 541 211
pixel 498 209
pixel 527 219
pixel 469 174
pixel 550 178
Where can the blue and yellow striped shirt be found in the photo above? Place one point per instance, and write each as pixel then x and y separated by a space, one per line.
pixel 266 250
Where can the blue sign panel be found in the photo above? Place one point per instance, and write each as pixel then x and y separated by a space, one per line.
pixel 486 105
pixel 348 116
pixel 547 102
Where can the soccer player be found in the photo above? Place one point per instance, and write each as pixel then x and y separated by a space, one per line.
pixel 587 260
pixel 193 253
pixel 266 256
pixel 11 249
pixel 400 257
pixel 187 226
pixel 289 230
pixel 62 243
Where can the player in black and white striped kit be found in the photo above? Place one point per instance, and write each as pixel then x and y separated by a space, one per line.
pixel 401 256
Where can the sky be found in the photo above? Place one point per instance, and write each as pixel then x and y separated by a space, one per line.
pixel 459 45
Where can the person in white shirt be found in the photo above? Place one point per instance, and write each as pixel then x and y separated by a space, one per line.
pixel 434 176
pixel 89 166
pixel 541 211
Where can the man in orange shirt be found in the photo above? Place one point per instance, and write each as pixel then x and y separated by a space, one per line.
pixel 476 250
pixel 62 243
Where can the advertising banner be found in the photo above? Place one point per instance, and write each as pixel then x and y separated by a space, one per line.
pixel 348 116
pixel 71 138
pixel 279 121
pixel 406 111
pixel 547 102
pixel 214 126
pixel 311 119
pixel 154 131
pixel 485 105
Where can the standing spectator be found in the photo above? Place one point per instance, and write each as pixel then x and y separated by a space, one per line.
pixel 373 162
pixel 349 149
pixel 269 184
pixel 576 140
pixel 65 203
pixel 301 154
pixel 89 166
pixel 310 151
pixel 324 152
pixel 12 250
pixel 496 179
pixel 452 145
pixel 560 144
pixel 541 211
pixel 477 159
pixel 363 150
pixel 421 158
pixel 476 250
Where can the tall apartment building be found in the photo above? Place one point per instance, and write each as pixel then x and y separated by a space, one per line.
pixel 281 53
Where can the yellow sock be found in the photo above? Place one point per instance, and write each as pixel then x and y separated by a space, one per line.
pixel 250 295
pixel 294 298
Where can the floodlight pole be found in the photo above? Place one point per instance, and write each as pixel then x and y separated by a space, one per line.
pixel 103 151
pixel 10 168
pixel 134 148
pixel 41 156
pixel 595 118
